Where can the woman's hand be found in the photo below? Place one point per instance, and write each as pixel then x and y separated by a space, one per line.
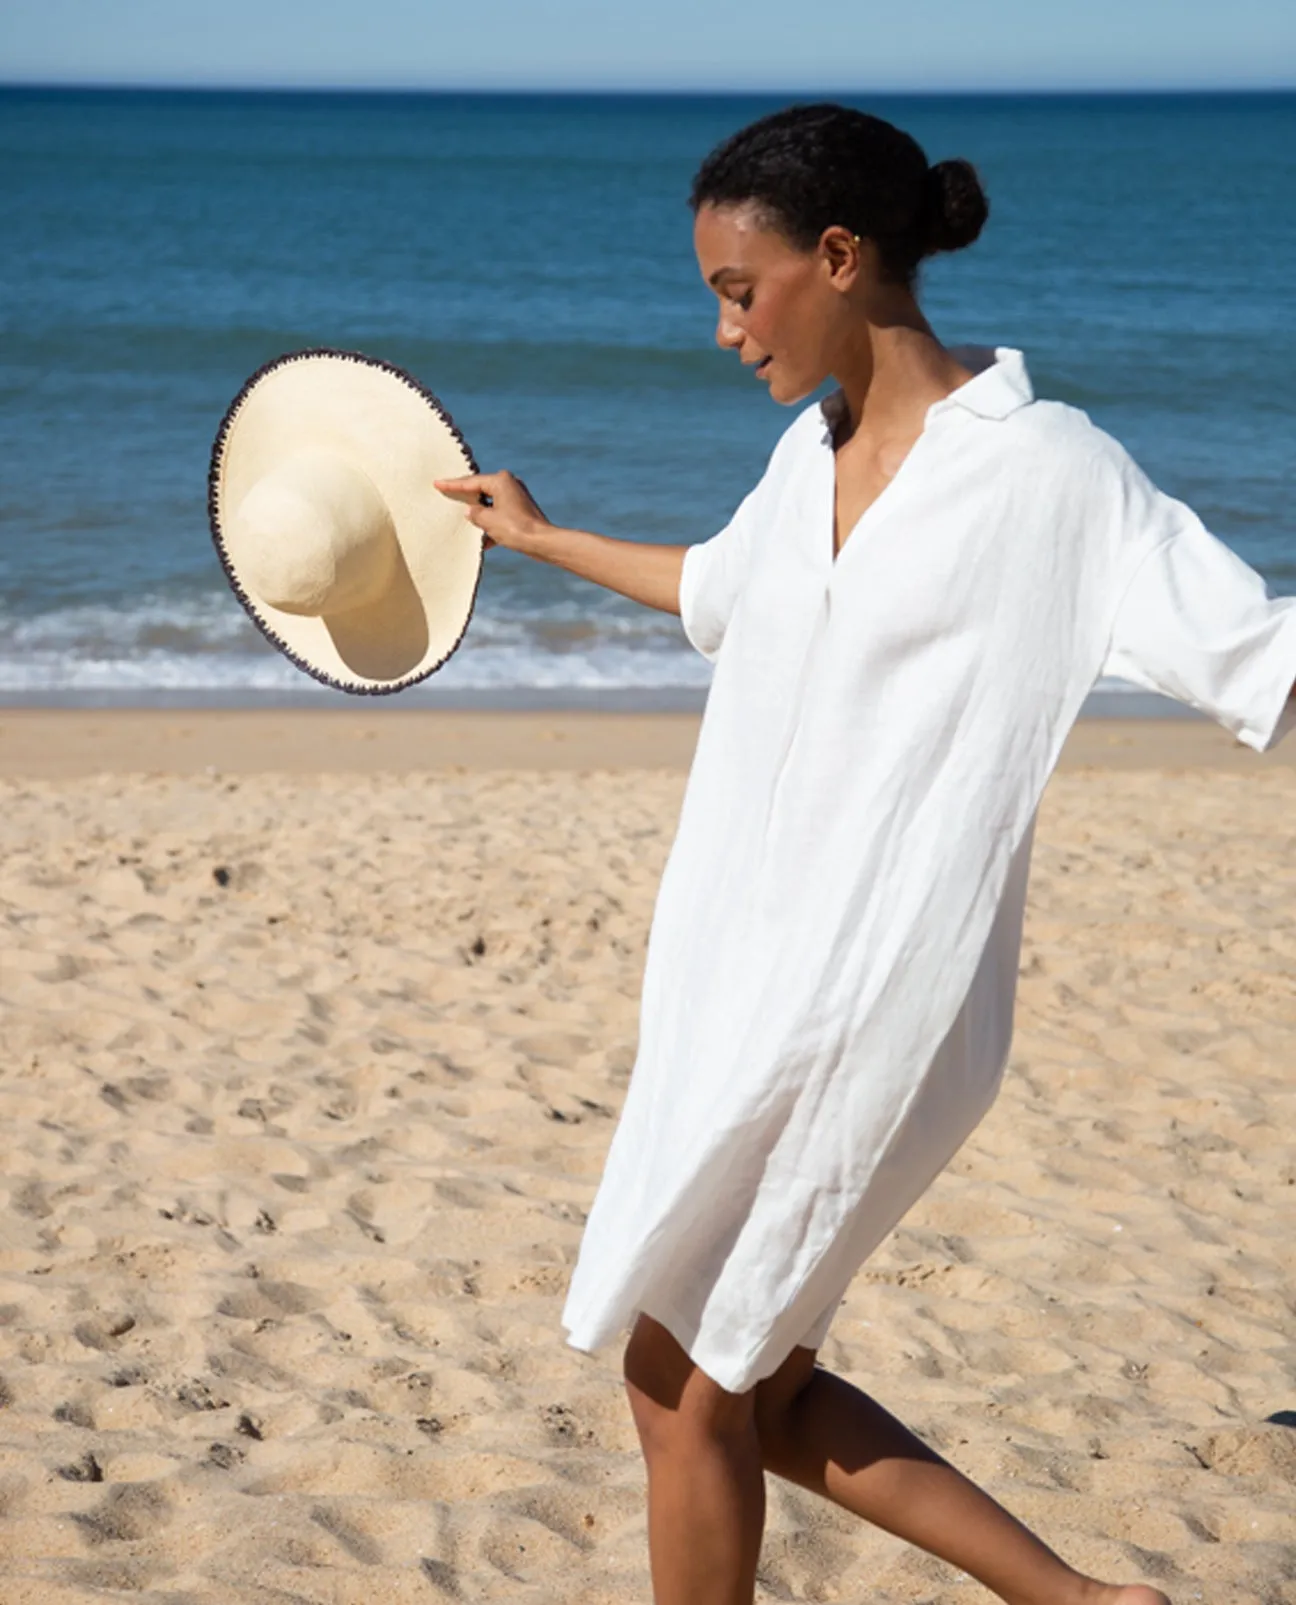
pixel 501 507
pixel 506 513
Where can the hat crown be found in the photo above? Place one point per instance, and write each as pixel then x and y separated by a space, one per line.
pixel 314 536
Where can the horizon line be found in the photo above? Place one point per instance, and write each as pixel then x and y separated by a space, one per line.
pixel 645 90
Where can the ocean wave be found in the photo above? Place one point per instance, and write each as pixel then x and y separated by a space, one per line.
pixel 507 363
pixel 606 667
pixel 203 644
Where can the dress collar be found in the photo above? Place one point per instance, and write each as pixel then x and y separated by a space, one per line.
pixel 999 385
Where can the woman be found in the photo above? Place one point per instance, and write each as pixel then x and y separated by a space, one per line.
pixel 905 616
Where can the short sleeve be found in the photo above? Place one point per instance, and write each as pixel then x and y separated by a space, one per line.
pixel 1196 623
pixel 710 581
pixel 716 570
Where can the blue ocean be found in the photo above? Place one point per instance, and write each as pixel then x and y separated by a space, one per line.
pixel 530 260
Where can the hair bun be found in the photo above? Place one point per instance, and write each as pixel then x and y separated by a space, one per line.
pixel 957 207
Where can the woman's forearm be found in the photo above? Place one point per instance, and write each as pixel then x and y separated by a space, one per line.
pixel 506 513
pixel 644 573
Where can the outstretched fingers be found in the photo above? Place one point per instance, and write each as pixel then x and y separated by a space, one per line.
pixel 469 487
pixel 499 505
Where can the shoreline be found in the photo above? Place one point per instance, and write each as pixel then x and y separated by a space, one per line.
pixel 1105 702
pixel 66 743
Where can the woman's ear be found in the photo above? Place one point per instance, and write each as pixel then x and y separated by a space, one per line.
pixel 845 255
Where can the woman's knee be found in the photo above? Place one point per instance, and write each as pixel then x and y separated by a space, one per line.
pixel 673 1402
pixel 777 1397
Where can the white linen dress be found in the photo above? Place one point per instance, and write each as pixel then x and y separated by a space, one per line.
pixel 828 995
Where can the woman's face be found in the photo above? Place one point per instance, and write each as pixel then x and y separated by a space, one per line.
pixel 784 311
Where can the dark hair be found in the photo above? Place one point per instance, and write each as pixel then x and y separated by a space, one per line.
pixel 810 167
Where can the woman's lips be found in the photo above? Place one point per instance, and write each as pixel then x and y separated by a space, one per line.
pixel 762 367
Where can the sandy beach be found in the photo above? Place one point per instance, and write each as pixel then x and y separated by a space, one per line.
pixel 313 1028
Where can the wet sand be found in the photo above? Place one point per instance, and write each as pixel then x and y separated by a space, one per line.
pixel 61 743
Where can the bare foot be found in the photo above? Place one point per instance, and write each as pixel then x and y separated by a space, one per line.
pixel 1092 1592
pixel 1133 1594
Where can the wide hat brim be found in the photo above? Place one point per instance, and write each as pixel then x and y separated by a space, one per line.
pixel 381 421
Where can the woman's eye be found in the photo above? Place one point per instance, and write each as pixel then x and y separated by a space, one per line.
pixel 744 300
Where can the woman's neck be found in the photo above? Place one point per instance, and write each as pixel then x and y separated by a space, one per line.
pixel 896 371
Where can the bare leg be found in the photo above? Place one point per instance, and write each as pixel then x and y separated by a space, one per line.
pixel 706 1488
pixel 705 1449
pixel 825 1435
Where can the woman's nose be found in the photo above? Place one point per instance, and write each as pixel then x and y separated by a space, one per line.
pixel 727 336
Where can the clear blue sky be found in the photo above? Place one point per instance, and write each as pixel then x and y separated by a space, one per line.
pixel 687 44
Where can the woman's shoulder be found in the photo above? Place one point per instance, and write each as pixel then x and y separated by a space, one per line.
pixel 1062 439
pixel 803 438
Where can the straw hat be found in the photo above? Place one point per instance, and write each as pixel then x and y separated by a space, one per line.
pixel 327 524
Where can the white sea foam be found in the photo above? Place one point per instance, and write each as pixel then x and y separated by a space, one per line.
pixel 202 644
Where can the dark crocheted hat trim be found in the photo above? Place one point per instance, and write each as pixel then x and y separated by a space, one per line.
pixel 381 689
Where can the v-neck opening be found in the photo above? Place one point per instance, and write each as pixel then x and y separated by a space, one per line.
pixel 836 552
pixel 994 390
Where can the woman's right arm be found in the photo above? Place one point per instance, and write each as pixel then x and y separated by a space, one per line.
pixel 647 574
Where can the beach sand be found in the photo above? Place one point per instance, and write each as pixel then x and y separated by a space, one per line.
pixel 312 1036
